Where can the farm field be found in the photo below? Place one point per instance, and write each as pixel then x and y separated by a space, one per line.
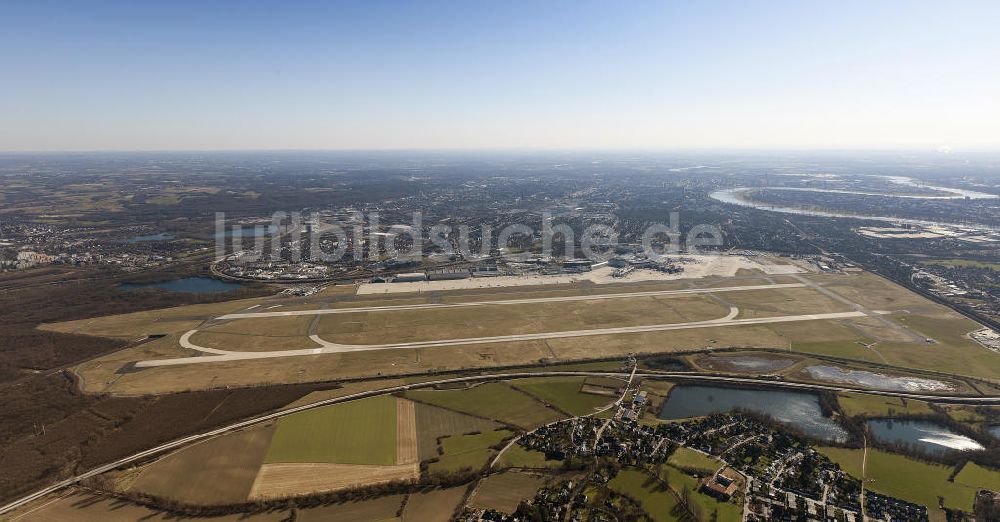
pixel 81 506
pixel 496 401
pixel 434 422
pixel 917 482
pixel 564 394
pixel 504 491
pixel 356 432
pixel 856 404
pixel 433 506
pixel 220 470
pixel 518 457
pixel 657 501
pixel 471 451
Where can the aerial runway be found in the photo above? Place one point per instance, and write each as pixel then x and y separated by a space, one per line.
pixel 325 347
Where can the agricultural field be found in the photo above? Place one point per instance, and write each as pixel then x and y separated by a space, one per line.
pixel 504 491
pixel 496 401
pixel 563 393
pixel 517 456
pixel 471 451
pixel 433 506
pixel 434 422
pixel 217 471
pixel 857 404
pixel 656 500
pixel 918 482
pixel 356 432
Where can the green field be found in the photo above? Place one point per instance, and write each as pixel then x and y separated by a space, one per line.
pixel 964 263
pixel 518 457
pixel 564 394
pixel 657 501
pixel 919 482
pixel 493 400
pixel 504 491
pixel 468 451
pixel 433 506
pixel 704 505
pixel 975 476
pixel 434 422
pixel 686 458
pixel 356 432
pixel 855 404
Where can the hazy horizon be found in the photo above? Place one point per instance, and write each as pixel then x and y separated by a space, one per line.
pixel 578 76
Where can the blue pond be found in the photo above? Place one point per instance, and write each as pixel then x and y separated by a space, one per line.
pixel 796 409
pixel 162 236
pixel 197 285
pixel 925 436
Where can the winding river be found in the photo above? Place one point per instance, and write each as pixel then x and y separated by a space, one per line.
pixel 737 196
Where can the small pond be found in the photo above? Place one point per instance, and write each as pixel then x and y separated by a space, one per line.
pixel 925 436
pixel 162 236
pixel 746 363
pixel 875 380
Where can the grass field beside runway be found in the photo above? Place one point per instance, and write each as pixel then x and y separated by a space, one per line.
pixel 912 316
pixel 493 320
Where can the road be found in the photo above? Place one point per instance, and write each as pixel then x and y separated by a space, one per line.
pixel 328 347
pixel 676 376
pixel 864 468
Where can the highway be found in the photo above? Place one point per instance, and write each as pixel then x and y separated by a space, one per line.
pixel 674 376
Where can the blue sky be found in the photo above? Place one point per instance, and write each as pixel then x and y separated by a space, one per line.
pixel 476 74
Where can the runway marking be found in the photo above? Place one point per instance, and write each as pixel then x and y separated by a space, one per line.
pixel 328 347
pixel 502 302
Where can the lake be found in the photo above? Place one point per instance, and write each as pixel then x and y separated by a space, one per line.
pixel 796 409
pixel 162 236
pixel 926 436
pixel 196 285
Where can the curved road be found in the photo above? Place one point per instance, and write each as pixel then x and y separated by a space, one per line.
pixel 681 376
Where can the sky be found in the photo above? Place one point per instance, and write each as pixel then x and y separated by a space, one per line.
pixel 742 74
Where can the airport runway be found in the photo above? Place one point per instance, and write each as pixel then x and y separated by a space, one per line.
pixel 536 300
pixel 328 347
